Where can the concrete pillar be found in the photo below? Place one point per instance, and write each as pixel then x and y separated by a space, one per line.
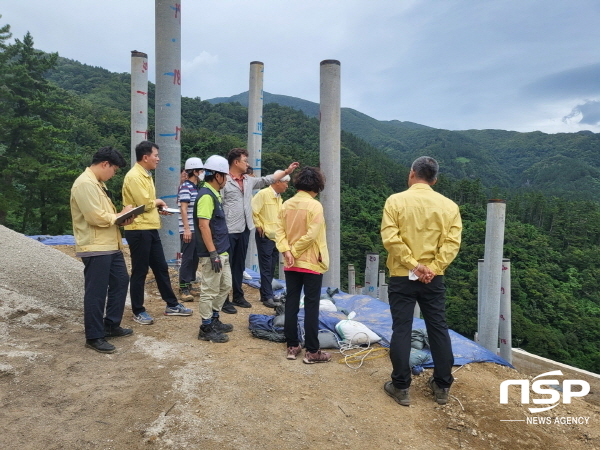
pixel 351 279
pixel 168 115
pixel 254 147
pixel 139 100
pixel 330 142
pixel 505 326
pixel 383 294
pixel 371 275
pixel 492 275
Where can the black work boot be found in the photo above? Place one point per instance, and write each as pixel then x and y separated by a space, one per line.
pixel 100 345
pixel 440 394
pixel 208 333
pixel 220 326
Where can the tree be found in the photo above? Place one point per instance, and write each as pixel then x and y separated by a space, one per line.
pixel 35 158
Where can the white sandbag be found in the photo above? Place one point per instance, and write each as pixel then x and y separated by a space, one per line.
pixel 356 333
pixel 327 305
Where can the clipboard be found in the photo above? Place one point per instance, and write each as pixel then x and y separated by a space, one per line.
pixel 134 212
pixel 171 210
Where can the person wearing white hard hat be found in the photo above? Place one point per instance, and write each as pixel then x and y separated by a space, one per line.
pixel 186 197
pixel 212 242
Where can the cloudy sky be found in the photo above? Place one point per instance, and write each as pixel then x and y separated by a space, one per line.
pixel 519 65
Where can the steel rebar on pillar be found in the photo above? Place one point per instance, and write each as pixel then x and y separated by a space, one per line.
pixel 330 142
pixel 492 275
pixel 139 100
pixel 254 146
pixel 505 317
pixel 371 275
pixel 168 115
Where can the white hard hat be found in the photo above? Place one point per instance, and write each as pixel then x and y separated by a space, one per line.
pixel 193 163
pixel 217 163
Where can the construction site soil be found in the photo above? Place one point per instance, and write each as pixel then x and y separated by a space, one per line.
pixel 165 389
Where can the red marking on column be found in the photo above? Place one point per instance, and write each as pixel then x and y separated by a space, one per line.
pixel 177 130
pixel 504 267
pixel 502 316
pixel 142 92
pixel 177 76
pixel 145 133
pixel 178 11
pixel 503 341
pixel 144 66
pixel 502 290
pixel 141 112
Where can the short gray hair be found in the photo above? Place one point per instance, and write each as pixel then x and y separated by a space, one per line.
pixel 426 168
pixel 285 178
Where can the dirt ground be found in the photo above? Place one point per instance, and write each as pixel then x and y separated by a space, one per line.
pixel 165 389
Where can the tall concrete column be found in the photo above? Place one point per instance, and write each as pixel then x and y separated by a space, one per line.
pixel 330 143
pixel 492 275
pixel 505 326
pixel 168 115
pixel 139 100
pixel 255 125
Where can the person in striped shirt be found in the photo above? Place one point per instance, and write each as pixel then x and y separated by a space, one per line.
pixel 186 198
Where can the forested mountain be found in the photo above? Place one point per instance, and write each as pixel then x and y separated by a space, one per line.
pixel 54 113
pixel 565 164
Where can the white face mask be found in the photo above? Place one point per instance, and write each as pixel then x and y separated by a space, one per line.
pixel 201 176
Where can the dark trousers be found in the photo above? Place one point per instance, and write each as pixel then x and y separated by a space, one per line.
pixel 106 282
pixel 146 251
pixel 431 298
pixel 189 261
pixel 268 259
pixel 311 283
pixel 238 248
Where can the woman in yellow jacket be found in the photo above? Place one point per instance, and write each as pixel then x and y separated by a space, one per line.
pixel 301 238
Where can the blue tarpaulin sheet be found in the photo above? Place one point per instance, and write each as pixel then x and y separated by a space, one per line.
pixel 66 239
pixel 376 315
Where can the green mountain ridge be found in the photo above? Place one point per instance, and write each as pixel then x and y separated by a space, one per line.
pixel 564 164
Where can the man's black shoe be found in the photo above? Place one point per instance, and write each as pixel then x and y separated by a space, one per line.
pixel 117 332
pixel 242 303
pixel 208 333
pixel 270 303
pixel 100 345
pixel 228 307
pixel 220 326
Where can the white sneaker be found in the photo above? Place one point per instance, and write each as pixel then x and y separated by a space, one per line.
pixel 247 276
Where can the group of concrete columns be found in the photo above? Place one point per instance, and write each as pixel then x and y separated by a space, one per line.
pixel 168 129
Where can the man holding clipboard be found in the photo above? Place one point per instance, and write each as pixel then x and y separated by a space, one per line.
pixel 142 236
pixel 99 245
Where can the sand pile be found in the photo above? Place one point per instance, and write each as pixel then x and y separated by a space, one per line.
pixel 37 276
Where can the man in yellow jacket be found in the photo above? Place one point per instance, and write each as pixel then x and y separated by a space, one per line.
pixel 143 239
pixel 421 230
pixel 265 213
pixel 99 245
